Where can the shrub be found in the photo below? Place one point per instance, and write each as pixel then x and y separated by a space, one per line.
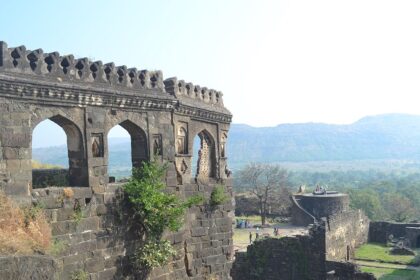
pixel 80 275
pixel 155 211
pixel 78 213
pixel 57 247
pixel 22 230
pixel 218 196
pixel 154 254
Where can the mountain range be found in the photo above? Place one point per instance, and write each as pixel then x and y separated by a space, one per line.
pixel 381 137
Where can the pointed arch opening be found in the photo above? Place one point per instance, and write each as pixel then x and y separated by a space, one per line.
pixel 127 149
pixel 62 165
pixel 204 156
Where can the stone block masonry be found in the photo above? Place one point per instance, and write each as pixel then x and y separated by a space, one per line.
pixel 87 99
pixel 303 257
pixel 380 232
pixel 288 258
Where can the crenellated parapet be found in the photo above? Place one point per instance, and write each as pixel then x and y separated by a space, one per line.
pixel 55 78
pixel 53 65
pixel 181 89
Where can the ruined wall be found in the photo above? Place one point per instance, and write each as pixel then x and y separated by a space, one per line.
pixel 344 233
pixel 42 178
pixel 413 235
pixel 346 271
pixel 87 99
pixel 300 257
pixel 380 231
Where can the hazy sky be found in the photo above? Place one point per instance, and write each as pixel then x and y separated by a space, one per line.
pixel 276 61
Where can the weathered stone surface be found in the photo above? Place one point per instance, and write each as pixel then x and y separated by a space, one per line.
pixel 87 99
pixel 288 258
pixel 29 267
pixel 380 232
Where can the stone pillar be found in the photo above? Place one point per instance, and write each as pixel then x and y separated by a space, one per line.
pixel 15 155
pixel 96 148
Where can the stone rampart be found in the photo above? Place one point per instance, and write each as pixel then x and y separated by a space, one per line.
pixel 346 271
pixel 288 258
pixel 379 232
pixel 344 233
pixel 87 99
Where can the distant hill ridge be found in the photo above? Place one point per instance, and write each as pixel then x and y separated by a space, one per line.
pixel 389 136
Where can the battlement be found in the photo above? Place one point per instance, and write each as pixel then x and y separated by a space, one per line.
pixel 19 60
pixel 179 88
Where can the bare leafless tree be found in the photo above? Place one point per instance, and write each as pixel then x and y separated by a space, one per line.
pixel 264 180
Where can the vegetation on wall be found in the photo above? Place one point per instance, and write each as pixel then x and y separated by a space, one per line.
pixel 22 230
pixel 155 211
pixel 80 275
pixel 218 196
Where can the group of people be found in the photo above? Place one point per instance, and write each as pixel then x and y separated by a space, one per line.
pixel 257 234
pixel 243 224
pixel 320 190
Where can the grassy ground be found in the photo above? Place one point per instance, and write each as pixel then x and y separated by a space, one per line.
pixel 392 274
pixel 380 253
pixel 377 260
pixel 253 219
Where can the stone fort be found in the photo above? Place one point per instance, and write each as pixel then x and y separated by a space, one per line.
pixel 87 99
pixel 162 116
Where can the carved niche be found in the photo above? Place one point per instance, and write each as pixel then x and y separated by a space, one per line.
pixel 157 144
pixel 223 144
pixel 97 140
pixel 182 139
pixel 206 164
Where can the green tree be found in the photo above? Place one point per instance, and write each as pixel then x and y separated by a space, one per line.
pixel 399 208
pixel 263 180
pixel 369 202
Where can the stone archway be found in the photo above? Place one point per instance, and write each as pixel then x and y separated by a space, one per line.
pixel 139 146
pixel 77 172
pixel 206 161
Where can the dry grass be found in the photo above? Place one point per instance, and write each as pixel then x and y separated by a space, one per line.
pixel 39 165
pixel 68 192
pixel 22 231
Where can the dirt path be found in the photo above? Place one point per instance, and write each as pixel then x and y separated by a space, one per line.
pixel 241 236
pixel 387 265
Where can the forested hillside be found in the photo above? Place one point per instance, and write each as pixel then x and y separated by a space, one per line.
pixel 392 136
pixel 372 142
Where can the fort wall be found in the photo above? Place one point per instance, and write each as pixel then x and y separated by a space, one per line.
pixel 379 232
pixel 344 233
pixel 87 99
pixel 288 258
pixel 302 257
